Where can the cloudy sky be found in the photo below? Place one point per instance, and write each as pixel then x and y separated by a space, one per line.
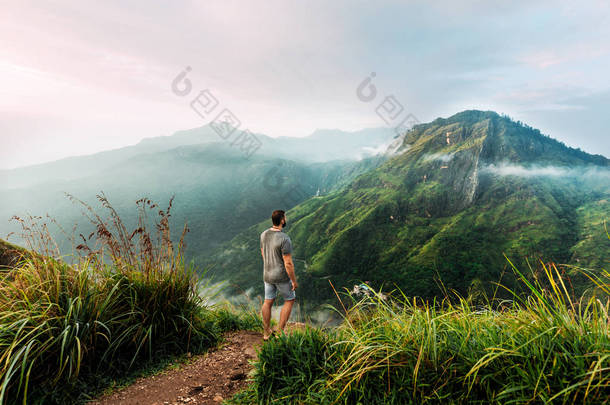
pixel 80 76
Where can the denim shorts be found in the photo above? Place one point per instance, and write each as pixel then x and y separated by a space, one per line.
pixel 284 288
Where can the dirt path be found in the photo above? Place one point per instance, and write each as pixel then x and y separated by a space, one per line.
pixel 208 379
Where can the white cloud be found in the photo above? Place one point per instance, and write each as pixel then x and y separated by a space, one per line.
pixel 441 157
pixel 507 169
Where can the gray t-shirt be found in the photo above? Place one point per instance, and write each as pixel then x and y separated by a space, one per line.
pixel 274 245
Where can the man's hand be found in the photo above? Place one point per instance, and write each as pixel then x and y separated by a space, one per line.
pixel 290 270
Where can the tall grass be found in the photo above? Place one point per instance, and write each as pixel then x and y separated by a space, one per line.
pixel 128 298
pixel 545 347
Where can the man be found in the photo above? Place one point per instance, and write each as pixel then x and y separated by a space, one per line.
pixel 278 271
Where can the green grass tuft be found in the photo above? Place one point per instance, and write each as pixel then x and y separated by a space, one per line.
pixel 125 306
pixel 546 347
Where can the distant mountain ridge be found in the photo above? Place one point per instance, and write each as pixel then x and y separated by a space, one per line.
pixel 338 145
pixel 457 195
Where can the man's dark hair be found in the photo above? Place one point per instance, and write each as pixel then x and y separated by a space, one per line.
pixel 277 216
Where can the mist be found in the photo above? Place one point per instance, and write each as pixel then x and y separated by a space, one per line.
pixel 507 169
pixel 442 157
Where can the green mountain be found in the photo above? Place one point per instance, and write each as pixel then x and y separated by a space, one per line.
pixel 218 190
pixel 459 194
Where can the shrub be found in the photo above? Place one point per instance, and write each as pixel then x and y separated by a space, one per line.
pixel 126 301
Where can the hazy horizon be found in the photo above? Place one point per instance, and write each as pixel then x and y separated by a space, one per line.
pixel 220 140
pixel 82 78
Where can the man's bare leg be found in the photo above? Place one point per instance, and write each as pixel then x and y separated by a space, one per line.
pixel 285 313
pixel 266 313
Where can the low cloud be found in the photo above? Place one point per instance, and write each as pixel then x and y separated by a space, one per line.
pixel 218 293
pixel 388 148
pixel 441 157
pixel 372 151
pixel 548 171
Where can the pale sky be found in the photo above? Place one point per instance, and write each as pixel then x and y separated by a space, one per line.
pixel 78 77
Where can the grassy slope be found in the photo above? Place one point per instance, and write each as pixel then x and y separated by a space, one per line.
pixel 545 349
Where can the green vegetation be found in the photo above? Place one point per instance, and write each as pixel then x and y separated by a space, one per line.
pixel 217 190
pixel 440 214
pixel 546 348
pixel 437 222
pixel 128 303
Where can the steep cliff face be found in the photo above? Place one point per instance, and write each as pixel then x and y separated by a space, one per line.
pixel 441 160
pixel 457 195
pixel 455 152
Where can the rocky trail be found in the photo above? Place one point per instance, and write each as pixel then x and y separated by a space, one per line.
pixel 208 379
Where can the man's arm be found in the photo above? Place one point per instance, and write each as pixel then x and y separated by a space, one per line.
pixel 290 270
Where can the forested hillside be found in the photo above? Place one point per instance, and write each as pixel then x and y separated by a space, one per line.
pixel 462 193
pixel 218 190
